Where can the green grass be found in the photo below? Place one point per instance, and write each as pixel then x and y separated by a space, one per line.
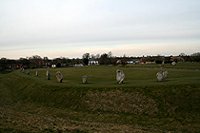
pixel 35 104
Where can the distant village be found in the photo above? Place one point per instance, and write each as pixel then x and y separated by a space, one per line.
pixel 87 59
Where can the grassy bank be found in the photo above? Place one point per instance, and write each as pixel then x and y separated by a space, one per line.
pixel 35 104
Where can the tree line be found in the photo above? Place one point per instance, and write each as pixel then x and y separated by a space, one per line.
pixel 87 59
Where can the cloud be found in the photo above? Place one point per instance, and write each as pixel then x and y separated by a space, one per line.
pixel 73 24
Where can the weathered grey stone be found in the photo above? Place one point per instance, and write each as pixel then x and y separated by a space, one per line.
pixel 36 73
pixel 118 62
pixel 48 75
pixel 173 63
pixel 59 76
pixel 161 75
pixel 85 79
pixel 120 76
pixel 165 73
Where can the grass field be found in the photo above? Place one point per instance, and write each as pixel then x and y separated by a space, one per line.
pixel 35 104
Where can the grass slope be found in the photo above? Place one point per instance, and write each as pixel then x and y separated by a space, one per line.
pixel 35 104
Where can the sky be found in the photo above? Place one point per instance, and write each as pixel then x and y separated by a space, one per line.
pixel 70 28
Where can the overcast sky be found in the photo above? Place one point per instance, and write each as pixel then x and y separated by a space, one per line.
pixel 70 28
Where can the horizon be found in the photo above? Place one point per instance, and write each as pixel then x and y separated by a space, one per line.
pixel 70 28
pixel 113 56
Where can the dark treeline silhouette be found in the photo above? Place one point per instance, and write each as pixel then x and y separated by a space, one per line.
pixel 87 59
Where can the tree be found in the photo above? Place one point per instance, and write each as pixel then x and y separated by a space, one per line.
pixel 109 54
pixel 195 57
pixel 97 56
pixel 104 59
pixel 86 57
pixel 124 60
pixel 46 61
pixel 159 59
pixel 182 54
pixel 196 54
pixel 24 62
pixel 3 64
pixel 36 61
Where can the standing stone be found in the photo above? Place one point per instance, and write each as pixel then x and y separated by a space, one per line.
pixel 59 76
pixel 48 75
pixel 173 63
pixel 161 75
pixel 36 73
pixel 163 62
pixel 85 79
pixel 165 73
pixel 120 76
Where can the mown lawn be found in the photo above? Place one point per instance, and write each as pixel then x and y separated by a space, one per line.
pixel 35 104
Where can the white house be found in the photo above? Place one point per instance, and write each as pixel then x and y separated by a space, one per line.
pixel 93 62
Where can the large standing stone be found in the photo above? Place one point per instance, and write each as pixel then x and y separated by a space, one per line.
pixel 120 76
pixel 59 76
pixel 161 75
pixel 48 75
